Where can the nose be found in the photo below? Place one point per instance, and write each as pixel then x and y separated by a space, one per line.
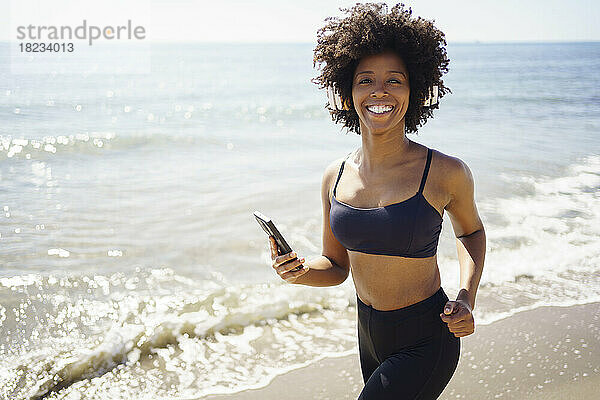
pixel 378 91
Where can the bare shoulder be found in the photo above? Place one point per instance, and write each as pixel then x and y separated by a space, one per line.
pixel 330 175
pixel 333 168
pixel 459 186
pixel 456 173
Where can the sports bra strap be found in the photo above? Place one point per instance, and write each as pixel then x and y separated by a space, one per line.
pixel 340 173
pixel 424 178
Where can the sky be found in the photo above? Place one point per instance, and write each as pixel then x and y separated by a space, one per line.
pixel 298 21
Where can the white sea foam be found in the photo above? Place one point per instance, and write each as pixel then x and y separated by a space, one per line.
pixel 226 332
pixel 555 229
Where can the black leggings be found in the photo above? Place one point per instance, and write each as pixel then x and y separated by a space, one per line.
pixel 407 353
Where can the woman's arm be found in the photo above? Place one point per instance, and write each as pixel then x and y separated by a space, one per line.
pixel 468 229
pixel 471 254
pixel 470 244
pixel 322 271
pixel 332 267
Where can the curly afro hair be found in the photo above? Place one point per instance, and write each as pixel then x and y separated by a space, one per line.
pixel 369 29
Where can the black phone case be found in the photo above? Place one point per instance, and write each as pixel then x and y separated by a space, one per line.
pixel 270 229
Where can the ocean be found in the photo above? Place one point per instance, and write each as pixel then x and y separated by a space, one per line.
pixel 131 265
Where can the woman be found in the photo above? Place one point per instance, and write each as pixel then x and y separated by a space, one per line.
pixel 383 204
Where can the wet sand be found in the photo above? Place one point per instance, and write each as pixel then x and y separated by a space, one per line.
pixel 547 353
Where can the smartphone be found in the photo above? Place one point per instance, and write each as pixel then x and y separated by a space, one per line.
pixel 270 229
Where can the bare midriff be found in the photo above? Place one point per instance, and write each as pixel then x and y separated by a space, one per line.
pixel 392 282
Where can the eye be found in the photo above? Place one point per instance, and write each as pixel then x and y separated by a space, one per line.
pixel 368 80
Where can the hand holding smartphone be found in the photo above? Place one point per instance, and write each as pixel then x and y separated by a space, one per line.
pixel 286 263
pixel 270 229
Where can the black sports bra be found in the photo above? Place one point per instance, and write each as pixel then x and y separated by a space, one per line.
pixel 410 228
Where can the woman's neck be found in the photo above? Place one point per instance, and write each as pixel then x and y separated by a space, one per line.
pixel 379 153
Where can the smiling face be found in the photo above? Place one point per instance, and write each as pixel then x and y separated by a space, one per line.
pixel 380 92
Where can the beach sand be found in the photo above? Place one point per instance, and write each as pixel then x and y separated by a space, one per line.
pixel 547 353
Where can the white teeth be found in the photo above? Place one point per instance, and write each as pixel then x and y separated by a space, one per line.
pixel 379 109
